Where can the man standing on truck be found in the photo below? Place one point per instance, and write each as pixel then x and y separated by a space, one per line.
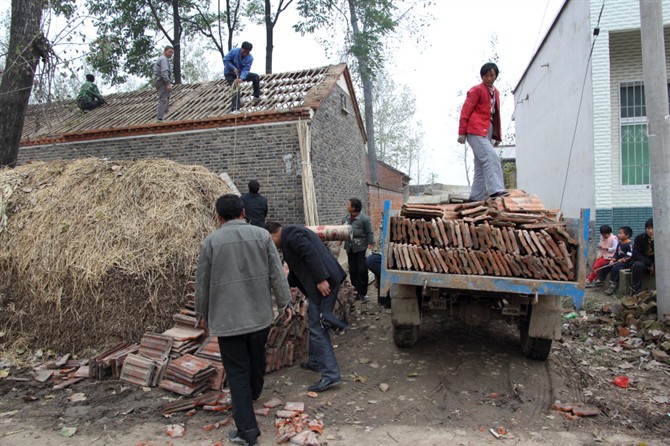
pixel 480 126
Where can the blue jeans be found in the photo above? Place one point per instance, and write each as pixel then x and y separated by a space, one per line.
pixel 321 353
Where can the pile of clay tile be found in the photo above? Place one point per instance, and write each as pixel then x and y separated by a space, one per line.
pixel 64 371
pixel 185 361
pixel 513 236
pixel 292 423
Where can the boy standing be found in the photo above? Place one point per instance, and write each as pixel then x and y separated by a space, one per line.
pixel 620 261
pixel 606 249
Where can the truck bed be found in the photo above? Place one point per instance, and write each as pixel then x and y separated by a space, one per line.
pixel 578 228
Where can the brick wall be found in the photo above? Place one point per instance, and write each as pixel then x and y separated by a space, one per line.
pixel 378 196
pixel 269 153
pixel 338 158
pixel 388 177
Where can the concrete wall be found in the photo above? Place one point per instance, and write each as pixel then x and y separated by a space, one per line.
pixel 269 153
pixel 546 117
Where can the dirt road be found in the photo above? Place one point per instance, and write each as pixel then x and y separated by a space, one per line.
pixel 454 386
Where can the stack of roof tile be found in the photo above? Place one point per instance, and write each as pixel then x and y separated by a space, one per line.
pixel 187 375
pixel 146 367
pixel 514 236
pixel 110 362
pixel 184 361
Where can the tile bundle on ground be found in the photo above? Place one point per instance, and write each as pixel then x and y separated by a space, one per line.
pixel 185 361
pixel 512 236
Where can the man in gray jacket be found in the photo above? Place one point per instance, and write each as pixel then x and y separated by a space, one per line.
pixel 238 269
pixel 163 81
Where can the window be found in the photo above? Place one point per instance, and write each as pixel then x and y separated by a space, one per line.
pixel 344 102
pixel 633 134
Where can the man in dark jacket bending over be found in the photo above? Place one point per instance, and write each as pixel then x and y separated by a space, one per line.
pixel 314 270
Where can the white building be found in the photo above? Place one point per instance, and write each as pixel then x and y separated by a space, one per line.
pixel 580 117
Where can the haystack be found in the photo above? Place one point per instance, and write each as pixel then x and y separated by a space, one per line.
pixel 94 252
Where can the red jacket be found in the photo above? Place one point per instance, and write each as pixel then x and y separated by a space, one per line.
pixel 476 113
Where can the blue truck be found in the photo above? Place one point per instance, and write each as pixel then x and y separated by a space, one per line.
pixel 533 305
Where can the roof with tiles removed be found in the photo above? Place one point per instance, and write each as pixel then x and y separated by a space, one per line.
pixel 284 97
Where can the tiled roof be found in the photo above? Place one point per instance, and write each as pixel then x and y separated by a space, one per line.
pixel 284 97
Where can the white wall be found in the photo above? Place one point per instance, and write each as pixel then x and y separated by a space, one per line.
pixel 547 100
pixel 616 58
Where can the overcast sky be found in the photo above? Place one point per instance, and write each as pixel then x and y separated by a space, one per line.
pixel 446 62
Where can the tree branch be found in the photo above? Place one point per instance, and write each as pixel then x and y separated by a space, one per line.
pixel 154 13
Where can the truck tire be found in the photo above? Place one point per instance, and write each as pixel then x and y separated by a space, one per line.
pixel 534 348
pixel 405 336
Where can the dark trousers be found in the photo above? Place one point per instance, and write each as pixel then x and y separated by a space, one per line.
pixel 251 77
pixel 614 272
pixel 243 359
pixel 321 353
pixel 89 105
pixel 638 268
pixel 358 272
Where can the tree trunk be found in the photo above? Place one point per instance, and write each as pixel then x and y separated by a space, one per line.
pixel 26 45
pixel 176 42
pixel 366 79
pixel 269 37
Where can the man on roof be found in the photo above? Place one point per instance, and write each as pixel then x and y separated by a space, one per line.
pixel 163 82
pixel 236 66
pixel 89 96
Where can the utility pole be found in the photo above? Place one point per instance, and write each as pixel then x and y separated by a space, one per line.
pixel 658 129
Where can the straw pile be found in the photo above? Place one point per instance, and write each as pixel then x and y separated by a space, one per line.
pixel 94 252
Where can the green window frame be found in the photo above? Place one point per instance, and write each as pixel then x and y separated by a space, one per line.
pixel 633 139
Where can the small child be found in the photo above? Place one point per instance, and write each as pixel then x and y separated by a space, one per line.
pixel 606 250
pixel 620 261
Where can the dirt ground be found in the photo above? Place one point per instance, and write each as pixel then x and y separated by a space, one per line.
pixel 455 385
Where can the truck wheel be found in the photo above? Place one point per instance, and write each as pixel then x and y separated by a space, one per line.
pixel 405 336
pixel 534 348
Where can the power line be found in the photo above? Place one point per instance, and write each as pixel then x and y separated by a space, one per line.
pixel 596 33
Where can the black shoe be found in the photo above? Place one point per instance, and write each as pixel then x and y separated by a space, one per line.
pixel 324 384
pixel 234 437
pixel 502 193
pixel 308 366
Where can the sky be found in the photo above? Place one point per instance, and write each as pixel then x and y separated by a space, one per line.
pixel 442 67
pixel 438 70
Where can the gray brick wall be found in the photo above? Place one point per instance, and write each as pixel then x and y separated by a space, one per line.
pixel 338 158
pixel 268 153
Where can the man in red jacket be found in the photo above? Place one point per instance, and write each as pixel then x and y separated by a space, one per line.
pixel 480 126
